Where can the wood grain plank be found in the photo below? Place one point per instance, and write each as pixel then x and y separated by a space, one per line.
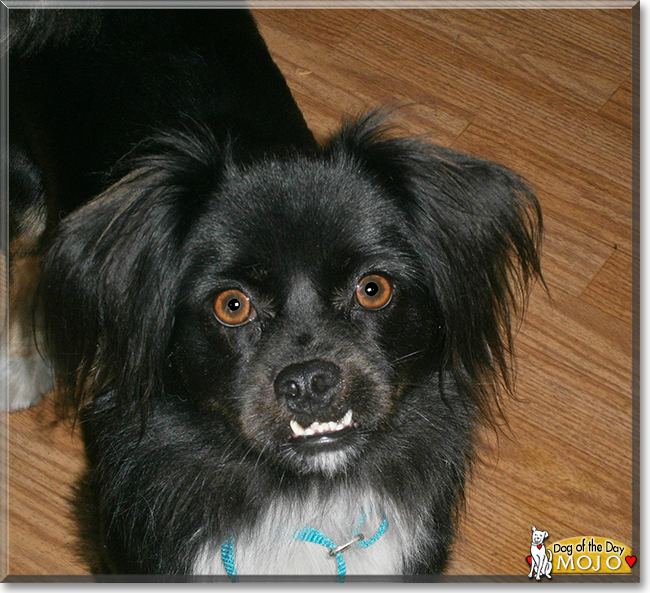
pixel 569 192
pixel 581 138
pixel 517 42
pixel 45 457
pixel 570 257
pixel 611 288
pixel 619 107
pixel 508 102
pixel 328 27
pixel 580 337
pixel 389 45
pixel 330 84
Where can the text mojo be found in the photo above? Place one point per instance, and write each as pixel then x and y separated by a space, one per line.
pixel 590 554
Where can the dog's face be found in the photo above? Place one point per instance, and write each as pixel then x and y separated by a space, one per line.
pixel 305 313
pixel 317 307
pixel 539 536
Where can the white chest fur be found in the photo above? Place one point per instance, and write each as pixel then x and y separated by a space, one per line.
pixel 270 548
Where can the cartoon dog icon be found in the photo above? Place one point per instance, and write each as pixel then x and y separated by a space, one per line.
pixel 539 561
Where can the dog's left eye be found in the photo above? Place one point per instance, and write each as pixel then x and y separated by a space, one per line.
pixel 374 292
pixel 232 308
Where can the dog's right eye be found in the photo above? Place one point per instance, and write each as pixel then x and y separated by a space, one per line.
pixel 374 292
pixel 232 308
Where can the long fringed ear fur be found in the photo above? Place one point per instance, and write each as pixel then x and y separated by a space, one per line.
pixel 110 278
pixel 478 227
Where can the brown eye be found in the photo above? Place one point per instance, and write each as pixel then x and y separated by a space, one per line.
pixel 232 307
pixel 374 292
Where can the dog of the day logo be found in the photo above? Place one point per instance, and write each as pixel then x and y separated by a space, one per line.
pixel 578 555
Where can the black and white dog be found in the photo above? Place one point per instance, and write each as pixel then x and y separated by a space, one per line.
pixel 278 352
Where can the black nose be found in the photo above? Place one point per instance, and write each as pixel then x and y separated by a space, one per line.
pixel 308 387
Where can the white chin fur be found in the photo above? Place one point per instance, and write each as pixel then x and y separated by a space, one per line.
pixel 328 463
pixel 27 379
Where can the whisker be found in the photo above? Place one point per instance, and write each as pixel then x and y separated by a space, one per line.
pixel 260 455
pixel 401 358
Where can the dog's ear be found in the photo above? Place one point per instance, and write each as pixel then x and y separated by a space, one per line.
pixel 545 534
pixel 477 227
pixel 110 278
pixel 534 528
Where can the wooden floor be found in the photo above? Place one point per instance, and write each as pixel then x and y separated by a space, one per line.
pixel 548 93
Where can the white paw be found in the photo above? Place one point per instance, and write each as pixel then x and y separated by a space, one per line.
pixel 28 379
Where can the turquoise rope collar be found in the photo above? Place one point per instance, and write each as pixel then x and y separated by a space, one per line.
pixel 309 534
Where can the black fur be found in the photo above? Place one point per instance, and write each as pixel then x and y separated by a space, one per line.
pixel 170 143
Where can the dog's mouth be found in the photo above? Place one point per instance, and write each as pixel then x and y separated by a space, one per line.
pixel 325 447
pixel 323 432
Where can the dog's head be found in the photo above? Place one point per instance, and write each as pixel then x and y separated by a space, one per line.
pixel 539 536
pixel 313 305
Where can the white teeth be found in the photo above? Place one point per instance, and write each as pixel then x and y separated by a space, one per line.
pixel 321 427
pixel 296 428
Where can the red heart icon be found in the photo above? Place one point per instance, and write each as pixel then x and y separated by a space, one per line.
pixel 529 559
pixel 630 560
pixel 539 547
